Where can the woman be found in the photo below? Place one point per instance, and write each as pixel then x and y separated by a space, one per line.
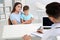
pixel 15 14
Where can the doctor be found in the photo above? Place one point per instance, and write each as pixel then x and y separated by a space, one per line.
pixel 53 11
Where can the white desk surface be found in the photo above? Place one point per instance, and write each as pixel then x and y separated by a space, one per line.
pixel 16 31
pixel 58 37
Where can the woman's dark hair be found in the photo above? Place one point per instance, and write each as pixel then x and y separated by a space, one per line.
pixel 53 9
pixel 9 22
pixel 13 10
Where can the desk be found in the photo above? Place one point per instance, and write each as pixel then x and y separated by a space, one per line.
pixel 16 31
pixel 58 37
pixel 48 34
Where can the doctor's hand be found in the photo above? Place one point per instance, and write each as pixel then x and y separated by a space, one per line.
pixel 40 31
pixel 27 37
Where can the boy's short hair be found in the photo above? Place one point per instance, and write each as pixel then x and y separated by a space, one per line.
pixel 25 8
pixel 53 9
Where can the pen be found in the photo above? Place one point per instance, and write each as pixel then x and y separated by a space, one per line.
pixel 39 28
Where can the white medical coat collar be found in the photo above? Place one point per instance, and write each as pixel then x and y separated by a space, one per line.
pixel 56 25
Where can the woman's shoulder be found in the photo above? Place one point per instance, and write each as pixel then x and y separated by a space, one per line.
pixel 12 14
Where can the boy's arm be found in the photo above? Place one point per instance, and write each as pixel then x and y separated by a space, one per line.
pixel 29 21
pixel 25 22
pixel 22 21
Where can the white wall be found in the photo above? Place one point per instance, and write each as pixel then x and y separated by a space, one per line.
pixel 37 7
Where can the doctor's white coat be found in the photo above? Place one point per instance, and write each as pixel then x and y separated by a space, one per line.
pixel 52 33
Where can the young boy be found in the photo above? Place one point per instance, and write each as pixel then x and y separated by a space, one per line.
pixel 53 12
pixel 26 17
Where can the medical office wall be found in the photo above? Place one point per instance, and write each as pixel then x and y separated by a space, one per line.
pixel 37 8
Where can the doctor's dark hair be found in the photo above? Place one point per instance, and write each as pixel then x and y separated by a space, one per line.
pixel 13 10
pixel 53 9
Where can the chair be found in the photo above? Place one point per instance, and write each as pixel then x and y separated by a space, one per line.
pixel 9 22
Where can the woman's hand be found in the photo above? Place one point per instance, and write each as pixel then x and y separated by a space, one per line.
pixel 14 22
pixel 27 37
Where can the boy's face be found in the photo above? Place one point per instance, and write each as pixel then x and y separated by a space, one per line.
pixel 26 12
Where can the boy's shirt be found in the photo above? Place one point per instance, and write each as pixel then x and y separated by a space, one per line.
pixel 28 17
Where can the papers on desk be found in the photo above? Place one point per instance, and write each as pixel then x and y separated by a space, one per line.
pixel 37 34
pixel 40 34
